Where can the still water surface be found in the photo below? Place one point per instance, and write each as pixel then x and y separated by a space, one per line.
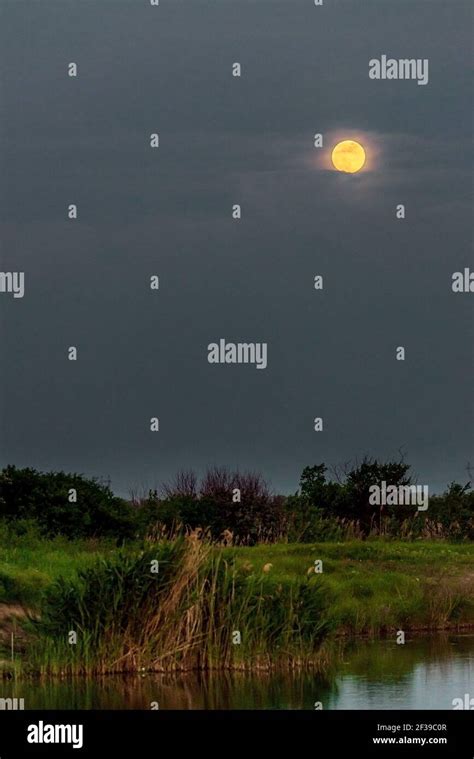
pixel 426 673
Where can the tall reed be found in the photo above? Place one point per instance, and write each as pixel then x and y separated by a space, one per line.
pixel 198 612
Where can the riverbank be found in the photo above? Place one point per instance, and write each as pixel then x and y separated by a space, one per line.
pixel 373 674
pixel 261 607
pixel 381 586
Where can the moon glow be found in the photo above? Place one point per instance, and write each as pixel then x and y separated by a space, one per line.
pixel 348 156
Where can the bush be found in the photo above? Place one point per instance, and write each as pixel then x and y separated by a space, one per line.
pixel 26 495
pixel 454 511
pixel 213 506
pixel 328 510
pixel 182 617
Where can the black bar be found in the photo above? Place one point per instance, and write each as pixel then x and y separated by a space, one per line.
pixel 222 733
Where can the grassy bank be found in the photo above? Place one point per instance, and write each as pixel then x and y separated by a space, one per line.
pixel 186 616
pixel 379 586
pixel 175 606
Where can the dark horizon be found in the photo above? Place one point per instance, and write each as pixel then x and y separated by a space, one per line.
pixel 334 473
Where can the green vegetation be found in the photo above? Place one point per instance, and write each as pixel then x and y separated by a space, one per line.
pixel 128 618
pixel 63 504
pixel 29 562
pixel 239 506
pixel 377 585
pixel 74 557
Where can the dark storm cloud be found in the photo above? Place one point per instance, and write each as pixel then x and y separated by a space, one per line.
pixel 225 141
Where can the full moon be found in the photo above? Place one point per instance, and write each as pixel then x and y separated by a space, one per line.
pixel 348 156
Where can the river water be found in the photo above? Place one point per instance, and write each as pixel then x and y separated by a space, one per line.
pixel 426 673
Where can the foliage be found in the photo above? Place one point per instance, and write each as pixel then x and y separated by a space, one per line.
pixel 238 504
pixel 183 617
pixel 45 498
pixel 235 508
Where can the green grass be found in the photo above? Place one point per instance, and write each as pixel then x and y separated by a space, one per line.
pixel 284 611
pixel 29 564
pixel 378 585
pixel 185 617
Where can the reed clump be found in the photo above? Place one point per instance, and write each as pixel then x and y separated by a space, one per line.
pixel 198 611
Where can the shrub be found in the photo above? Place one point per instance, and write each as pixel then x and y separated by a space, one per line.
pixel 183 617
pixel 26 494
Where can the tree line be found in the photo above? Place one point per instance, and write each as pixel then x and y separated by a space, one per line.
pixel 235 507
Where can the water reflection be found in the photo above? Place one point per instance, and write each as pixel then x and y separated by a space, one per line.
pixel 425 673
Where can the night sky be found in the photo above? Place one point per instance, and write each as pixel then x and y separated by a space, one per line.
pixel 226 141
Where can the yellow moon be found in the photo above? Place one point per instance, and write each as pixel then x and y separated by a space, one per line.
pixel 348 156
